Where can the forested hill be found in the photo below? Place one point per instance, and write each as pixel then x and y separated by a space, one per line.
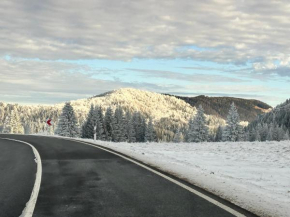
pixel 167 112
pixel 219 106
pixel 279 116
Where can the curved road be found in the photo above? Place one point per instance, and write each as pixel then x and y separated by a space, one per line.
pixel 17 176
pixel 81 180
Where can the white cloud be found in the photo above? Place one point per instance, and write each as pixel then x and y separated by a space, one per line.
pixel 238 30
pixel 33 81
pixel 223 31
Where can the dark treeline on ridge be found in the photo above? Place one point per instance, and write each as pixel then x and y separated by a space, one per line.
pixel 218 106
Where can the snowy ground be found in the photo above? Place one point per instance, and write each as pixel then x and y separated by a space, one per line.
pixel 255 176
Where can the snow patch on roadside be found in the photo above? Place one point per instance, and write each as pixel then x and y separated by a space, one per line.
pixel 252 175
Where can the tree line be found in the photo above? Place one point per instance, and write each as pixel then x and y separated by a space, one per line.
pixel 233 131
pixel 273 125
pixel 121 126
pixel 108 125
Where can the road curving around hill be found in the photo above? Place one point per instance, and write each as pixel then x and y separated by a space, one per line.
pixel 79 179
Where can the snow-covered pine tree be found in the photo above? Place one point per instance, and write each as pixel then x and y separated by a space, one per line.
pixel 149 132
pixel 242 135
pixel 7 125
pixel 117 131
pixel 257 136
pixel 16 122
pixel 252 135
pixel 286 136
pixel 275 132
pixel 100 130
pixel 88 127
pixel 270 132
pixel 188 130
pixel 258 132
pixel 178 137
pixel 281 133
pixel 264 132
pixel 233 128
pixel 139 126
pixel 247 136
pixel 13 124
pixel 219 134
pixel 198 129
pixel 131 131
pixel 128 117
pixel 67 123
pixel 144 128
pixel 109 123
pixel 123 126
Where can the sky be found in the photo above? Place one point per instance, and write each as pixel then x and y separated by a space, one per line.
pixel 53 51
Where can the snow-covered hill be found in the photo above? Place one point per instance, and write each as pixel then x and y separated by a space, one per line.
pixel 167 112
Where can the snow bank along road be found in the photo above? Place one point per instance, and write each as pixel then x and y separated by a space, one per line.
pixel 252 175
pixel 82 180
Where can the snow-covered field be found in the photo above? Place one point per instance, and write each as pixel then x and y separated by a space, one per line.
pixel 253 175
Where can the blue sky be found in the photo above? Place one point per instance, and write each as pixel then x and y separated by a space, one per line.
pixel 54 51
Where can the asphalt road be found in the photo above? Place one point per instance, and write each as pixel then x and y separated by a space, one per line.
pixel 80 180
pixel 17 177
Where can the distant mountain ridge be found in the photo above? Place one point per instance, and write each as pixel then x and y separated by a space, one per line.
pixel 248 109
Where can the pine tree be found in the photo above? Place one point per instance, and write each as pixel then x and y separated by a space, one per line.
pixel 252 135
pixel 264 132
pixel 275 133
pixel 67 123
pixel 12 123
pixel 117 131
pixel 233 128
pixel 149 132
pixel 7 125
pixel 242 135
pixel 247 136
pixel 198 129
pixel 131 131
pixel 109 124
pixel 144 128
pixel 286 136
pixel 88 127
pixel 139 126
pixel 257 136
pixel 189 130
pixel 219 134
pixel 270 132
pixel 123 126
pixel 178 137
pixel 99 123
pixel 128 118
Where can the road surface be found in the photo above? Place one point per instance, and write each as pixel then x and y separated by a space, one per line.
pixel 17 176
pixel 81 180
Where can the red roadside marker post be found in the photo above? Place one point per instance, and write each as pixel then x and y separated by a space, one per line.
pixel 49 122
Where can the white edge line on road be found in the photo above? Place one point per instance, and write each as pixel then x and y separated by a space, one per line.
pixel 209 199
pixel 30 205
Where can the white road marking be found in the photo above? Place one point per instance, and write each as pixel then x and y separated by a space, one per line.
pixel 209 199
pixel 30 205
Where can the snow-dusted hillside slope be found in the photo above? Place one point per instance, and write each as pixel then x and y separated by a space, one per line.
pixel 150 104
pixel 255 176
pixel 166 111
